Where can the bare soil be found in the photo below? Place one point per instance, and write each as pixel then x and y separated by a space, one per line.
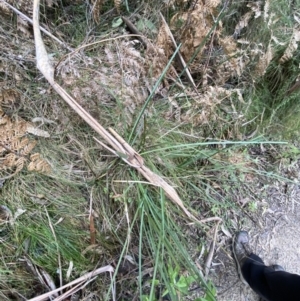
pixel 275 237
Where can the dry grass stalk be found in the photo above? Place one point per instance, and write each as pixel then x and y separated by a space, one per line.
pixel 44 278
pixel 57 248
pixel 211 251
pixel 81 279
pixel 73 290
pixel 92 224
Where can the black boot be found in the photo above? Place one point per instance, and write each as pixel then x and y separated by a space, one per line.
pixel 241 250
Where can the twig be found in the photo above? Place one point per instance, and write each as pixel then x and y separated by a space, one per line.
pixel 211 251
pixel 209 219
pixel 41 28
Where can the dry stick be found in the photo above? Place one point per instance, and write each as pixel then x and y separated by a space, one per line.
pixel 121 147
pixel 209 219
pixel 42 29
pixel 83 278
pixel 211 251
pixel 184 66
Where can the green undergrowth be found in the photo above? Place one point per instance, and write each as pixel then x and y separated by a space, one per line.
pixel 273 95
pixel 152 244
pixel 131 217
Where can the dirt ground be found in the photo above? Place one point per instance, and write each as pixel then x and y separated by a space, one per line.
pixel 275 238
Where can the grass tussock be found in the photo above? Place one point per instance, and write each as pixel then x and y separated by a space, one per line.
pixel 202 133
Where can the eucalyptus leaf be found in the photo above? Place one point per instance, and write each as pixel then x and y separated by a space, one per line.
pixel 116 22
